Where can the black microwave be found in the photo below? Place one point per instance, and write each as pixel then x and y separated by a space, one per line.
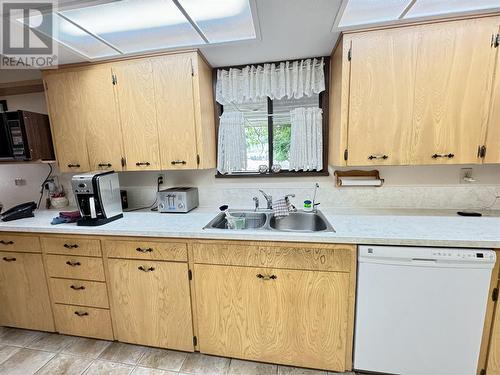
pixel 25 135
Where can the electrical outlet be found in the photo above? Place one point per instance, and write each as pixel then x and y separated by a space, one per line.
pixel 466 176
pixel 19 181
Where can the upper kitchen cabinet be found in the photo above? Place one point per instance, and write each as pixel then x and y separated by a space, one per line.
pixel 413 95
pixel 146 113
pixel 185 113
pixel 491 150
pixel 135 95
pixel 67 115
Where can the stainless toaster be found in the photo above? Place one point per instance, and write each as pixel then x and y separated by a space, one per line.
pixel 177 199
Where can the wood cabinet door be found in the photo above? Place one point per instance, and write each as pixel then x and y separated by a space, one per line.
pixel 136 102
pixel 493 367
pixel 151 303
pixel 493 131
pixel 452 90
pixel 381 96
pixel 24 293
pixel 277 316
pixel 67 121
pixel 173 81
pixel 100 117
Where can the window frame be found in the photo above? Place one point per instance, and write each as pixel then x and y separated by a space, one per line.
pixel 323 104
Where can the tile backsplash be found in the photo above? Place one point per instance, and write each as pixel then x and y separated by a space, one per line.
pixel 435 187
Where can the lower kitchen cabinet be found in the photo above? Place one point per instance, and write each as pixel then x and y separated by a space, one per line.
pixel 282 316
pixel 494 353
pixel 150 302
pixel 83 321
pixel 24 296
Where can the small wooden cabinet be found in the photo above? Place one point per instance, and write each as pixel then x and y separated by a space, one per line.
pixel 416 95
pixel 24 294
pixel 146 113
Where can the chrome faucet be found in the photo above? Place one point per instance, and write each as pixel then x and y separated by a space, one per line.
pixel 269 200
pixel 314 204
pixel 256 203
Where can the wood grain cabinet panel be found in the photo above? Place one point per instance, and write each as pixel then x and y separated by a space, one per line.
pixel 151 303
pixel 452 89
pixel 73 267
pixel 19 243
pixel 24 296
pixel 79 292
pixel 83 321
pixel 493 367
pixel 381 96
pixel 136 102
pixel 492 154
pixel 278 316
pixel 175 251
pixel 173 83
pixel 70 245
pixel 67 114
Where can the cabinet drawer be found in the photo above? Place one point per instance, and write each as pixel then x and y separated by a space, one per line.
pixel 289 256
pixel 83 321
pixel 71 267
pixel 13 242
pixel 175 251
pixel 71 246
pixel 77 292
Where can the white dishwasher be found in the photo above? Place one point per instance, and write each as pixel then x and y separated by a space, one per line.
pixel 420 311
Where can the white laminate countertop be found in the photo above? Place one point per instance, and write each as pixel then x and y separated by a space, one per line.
pixel 387 227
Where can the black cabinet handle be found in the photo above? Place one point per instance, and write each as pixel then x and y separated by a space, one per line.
pixel 81 313
pixel 3 242
pixel 73 264
pixel 174 162
pixel 266 277
pixel 100 165
pixel 69 246
pixel 141 163
pixel 73 165
pixel 9 259
pixel 383 157
pixel 449 156
pixel 77 287
pixel 144 269
pixel 146 250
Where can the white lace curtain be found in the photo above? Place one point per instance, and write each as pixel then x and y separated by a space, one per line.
pixel 276 81
pixel 306 143
pixel 232 153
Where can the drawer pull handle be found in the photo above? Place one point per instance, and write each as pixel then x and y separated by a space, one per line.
pixel 144 269
pixel 73 165
pixel 73 264
pixel 77 287
pixel 3 242
pixel 68 246
pixel 9 259
pixel 141 163
pixel 449 156
pixel 174 162
pixel 383 157
pixel 146 250
pixel 101 165
pixel 81 313
pixel 266 277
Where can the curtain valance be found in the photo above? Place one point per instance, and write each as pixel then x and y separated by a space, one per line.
pixel 287 79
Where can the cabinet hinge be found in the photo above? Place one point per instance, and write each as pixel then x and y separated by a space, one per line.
pixel 346 154
pixel 494 295
pixel 124 162
pixel 495 40
pixel 190 275
pixel 349 54
pixel 114 81
pixel 482 151
pixel 198 159
pixel 482 372
pixel 195 340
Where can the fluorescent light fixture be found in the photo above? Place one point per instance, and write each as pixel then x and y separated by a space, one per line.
pixel 423 8
pixel 361 12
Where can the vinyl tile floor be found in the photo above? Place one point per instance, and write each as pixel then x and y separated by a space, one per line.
pixel 24 352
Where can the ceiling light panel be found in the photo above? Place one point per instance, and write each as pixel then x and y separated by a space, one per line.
pixel 137 25
pixel 423 8
pixel 221 20
pixel 361 12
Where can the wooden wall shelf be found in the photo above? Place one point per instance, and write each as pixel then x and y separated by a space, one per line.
pixel 21 87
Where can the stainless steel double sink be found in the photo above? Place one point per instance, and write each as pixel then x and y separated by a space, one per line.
pixel 298 221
